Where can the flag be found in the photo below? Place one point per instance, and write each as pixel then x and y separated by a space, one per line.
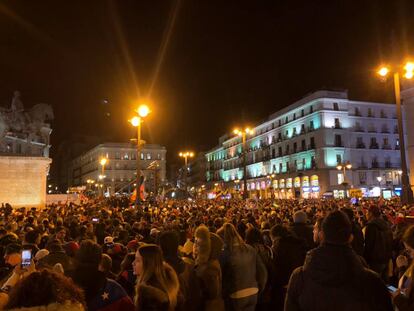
pixel 112 297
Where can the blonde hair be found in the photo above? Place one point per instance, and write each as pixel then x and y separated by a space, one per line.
pixel 155 268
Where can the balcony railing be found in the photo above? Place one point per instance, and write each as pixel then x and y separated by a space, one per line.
pixel 374 146
pixel 359 129
pixel 386 147
pixel 361 146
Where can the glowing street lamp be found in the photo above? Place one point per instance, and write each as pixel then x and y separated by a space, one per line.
pixel 186 155
pixel 103 161
pixel 243 134
pixel 142 111
pixel 343 167
pixel 407 194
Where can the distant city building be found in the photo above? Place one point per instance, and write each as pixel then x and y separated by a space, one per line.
pixel 194 175
pixel 295 153
pixel 119 174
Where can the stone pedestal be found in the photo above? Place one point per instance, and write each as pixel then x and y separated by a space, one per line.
pixel 23 181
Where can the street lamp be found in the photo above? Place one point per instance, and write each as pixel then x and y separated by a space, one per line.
pixel 407 193
pixel 243 134
pixel 379 179
pixel 343 167
pixel 186 155
pixel 102 162
pixel 142 111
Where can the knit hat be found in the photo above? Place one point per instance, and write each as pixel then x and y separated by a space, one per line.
pixel 71 248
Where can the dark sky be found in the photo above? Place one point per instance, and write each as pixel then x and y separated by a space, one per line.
pixel 227 61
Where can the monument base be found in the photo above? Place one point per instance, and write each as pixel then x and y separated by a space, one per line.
pixel 23 181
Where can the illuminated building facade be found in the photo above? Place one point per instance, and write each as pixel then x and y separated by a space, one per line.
pixel 295 153
pixel 119 173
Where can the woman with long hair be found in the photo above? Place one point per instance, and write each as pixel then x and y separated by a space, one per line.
pixel 157 286
pixel 244 274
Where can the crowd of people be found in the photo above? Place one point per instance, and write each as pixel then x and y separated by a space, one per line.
pixel 107 254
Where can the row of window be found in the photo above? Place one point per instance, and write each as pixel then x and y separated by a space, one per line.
pixel 374 144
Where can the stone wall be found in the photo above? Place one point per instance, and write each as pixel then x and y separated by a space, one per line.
pixel 23 181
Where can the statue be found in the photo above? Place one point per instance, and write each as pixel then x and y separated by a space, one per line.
pixel 29 124
pixel 17 105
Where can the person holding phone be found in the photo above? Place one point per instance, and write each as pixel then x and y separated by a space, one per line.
pixel 12 258
pixel 403 298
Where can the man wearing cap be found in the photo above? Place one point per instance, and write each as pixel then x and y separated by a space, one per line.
pixel 378 242
pixel 333 276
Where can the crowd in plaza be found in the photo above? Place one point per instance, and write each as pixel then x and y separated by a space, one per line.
pixel 107 254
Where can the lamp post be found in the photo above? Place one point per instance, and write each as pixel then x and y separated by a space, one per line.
pixel 270 177
pixel 407 193
pixel 186 155
pixel 243 134
pixel 379 179
pixel 102 162
pixel 343 167
pixel 136 121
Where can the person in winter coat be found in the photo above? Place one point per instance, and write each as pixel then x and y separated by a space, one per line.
pixel 404 297
pixel 358 240
pixel 126 278
pixel 206 250
pixel 244 274
pixel 46 290
pixel 378 242
pixel 333 276
pixel 101 293
pixel 301 229
pixel 169 241
pixel 56 255
pixel 289 252
pixel 157 286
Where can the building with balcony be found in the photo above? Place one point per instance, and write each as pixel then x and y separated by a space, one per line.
pixel 119 174
pixel 301 145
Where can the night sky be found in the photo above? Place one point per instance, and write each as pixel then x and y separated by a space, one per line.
pixel 226 63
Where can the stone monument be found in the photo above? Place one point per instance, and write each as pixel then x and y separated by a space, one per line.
pixel 24 153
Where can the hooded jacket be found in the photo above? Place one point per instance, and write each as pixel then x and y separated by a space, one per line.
pixel 334 278
pixel 378 242
pixel 207 270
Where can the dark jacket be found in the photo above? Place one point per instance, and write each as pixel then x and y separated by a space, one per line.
pixel 303 231
pixel 333 278
pixel 378 242
pixel 189 290
pixel 288 253
pixel 242 268
pixel 358 241
pixel 207 272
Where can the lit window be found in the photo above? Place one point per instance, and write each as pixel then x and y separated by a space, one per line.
pixel 148 156
pixel 340 178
